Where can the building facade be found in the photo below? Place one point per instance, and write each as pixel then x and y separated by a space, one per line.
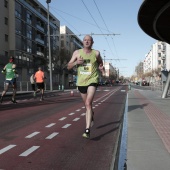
pixel 69 43
pixel 24 36
pixel 157 60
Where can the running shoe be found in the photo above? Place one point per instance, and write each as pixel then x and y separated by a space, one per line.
pixel 1 100
pixel 41 99
pixel 13 101
pixel 86 134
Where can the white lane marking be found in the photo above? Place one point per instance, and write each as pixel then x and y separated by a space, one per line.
pixel 78 110
pixel 32 134
pixel 6 148
pixel 71 113
pixel 83 107
pixel 63 118
pixel 52 135
pixel 83 114
pixel 29 151
pixel 50 125
pixel 123 90
pixel 66 126
pixel 76 119
pixel 93 107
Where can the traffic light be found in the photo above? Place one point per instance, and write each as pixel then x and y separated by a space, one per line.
pixel 48 1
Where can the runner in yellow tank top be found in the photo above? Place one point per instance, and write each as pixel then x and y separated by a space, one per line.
pixel 89 62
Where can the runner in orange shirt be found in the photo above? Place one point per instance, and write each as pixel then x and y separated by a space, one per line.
pixel 39 78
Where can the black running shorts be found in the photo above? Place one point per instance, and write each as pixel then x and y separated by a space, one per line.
pixel 83 89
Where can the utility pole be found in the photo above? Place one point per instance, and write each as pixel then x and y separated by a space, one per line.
pixel 49 45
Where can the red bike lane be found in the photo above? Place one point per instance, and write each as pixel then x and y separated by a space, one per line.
pixel 54 141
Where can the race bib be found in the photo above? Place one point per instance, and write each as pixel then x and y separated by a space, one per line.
pixel 86 69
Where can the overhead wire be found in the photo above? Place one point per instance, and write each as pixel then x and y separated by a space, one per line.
pixel 95 22
pixel 106 28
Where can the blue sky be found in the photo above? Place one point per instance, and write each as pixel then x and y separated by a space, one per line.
pixel 107 17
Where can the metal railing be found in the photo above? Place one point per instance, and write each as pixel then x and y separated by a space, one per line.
pixel 26 86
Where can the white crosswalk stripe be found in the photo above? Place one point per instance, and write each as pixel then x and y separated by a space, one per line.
pixel 66 126
pixel 7 148
pixel 50 125
pixel 63 118
pixel 32 134
pixel 52 135
pixel 29 151
pixel 76 119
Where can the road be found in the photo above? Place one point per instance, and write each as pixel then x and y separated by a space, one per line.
pixel 47 135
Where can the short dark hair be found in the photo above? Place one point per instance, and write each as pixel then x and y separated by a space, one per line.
pixel 11 57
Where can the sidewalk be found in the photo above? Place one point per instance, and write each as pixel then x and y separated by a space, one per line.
pixel 148 145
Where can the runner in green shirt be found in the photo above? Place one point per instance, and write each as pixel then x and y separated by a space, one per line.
pixel 88 62
pixel 10 79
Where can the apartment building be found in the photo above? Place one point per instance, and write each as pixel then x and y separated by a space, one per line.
pixel 157 60
pixel 24 35
pixel 69 43
pixel 110 72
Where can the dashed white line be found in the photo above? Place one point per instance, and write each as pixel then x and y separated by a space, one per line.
pixel 6 148
pixel 76 119
pixel 83 114
pixel 50 125
pixel 29 151
pixel 71 113
pixel 66 126
pixel 63 118
pixel 52 135
pixel 78 110
pixel 32 134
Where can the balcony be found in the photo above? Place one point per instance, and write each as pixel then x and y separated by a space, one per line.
pixel 163 57
pixel 39 40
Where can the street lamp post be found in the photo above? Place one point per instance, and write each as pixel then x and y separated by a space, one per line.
pixel 49 46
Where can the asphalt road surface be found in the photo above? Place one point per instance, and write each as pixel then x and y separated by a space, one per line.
pixel 47 135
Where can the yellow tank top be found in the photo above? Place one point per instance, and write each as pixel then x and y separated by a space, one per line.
pixel 88 72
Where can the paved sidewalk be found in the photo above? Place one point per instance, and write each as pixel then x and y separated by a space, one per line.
pixel 148 131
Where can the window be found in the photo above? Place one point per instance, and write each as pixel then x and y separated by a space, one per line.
pixel 18 42
pixel 159 54
pixel 18 10
pixel 6 53
pixel 29 18
pixel 5 3
pixel 6 21
pixel 6 37
pixel 29 46
pixel 18 27
pixel 29 32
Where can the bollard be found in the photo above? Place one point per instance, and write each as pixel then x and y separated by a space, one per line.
pixel 58 87
pixel 72 93
pixel 62 87
pixel 129 86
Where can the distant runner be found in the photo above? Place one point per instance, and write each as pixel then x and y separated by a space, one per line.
pixel 39 78
pixel 10 79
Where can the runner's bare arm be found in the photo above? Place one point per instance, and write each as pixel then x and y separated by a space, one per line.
pixel 75 60
pixel 4 70
pixel 100 61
